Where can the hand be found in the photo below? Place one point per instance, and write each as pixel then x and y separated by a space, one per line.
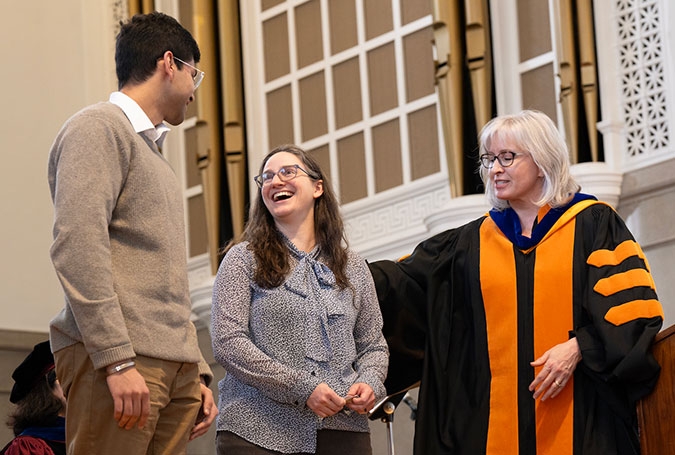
pixel 363 398
pixel 324 401
pixel 131 398
pixel 559 364
pixel 207 413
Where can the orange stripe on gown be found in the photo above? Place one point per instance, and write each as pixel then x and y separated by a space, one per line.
pixel 498 284
pixel 552 321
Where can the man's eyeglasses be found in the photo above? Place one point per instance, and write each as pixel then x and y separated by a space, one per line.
pixel 285 174
pixel 198 77
pixel 505 159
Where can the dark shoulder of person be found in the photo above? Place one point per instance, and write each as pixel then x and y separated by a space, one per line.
pixel 59 448
pixel 28 448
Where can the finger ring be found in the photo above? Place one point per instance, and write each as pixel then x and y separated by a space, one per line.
pixel 557 383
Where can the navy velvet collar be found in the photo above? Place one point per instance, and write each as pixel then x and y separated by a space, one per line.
pixel 507 221
pixel 57 432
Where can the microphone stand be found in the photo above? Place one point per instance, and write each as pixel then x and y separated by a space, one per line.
pixel 384 411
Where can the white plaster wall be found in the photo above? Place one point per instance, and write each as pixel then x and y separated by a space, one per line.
pixel 53 63
pixel 648 197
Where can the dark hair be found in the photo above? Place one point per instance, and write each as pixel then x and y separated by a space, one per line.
pixel 144 39
pixel 39 408
pixel 267 243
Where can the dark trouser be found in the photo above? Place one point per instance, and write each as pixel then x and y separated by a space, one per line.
pixel 328 442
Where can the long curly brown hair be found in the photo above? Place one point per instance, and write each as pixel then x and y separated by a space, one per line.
pixel 267 243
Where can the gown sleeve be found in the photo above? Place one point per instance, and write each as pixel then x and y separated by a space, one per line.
pixel 402 289
pixel 620 313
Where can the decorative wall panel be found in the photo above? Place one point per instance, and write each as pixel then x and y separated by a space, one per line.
pixel 645 98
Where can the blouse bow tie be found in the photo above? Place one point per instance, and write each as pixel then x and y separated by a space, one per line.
pixel 311 280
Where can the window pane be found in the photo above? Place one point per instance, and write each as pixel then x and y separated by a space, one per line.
pixel 313 106
pixel 540 93
pixel 280 116
pixel 275 39
pixel 191 147
pixel 533 21
pixel 352 165
pixel 309 41
pixel 413 10
pixel 382 79
pixel 266 4
pixel 197 221
pixel 387 156
pixel 321 155
pixel 378 16
pixel 342 17
pixel 423 132
pixel 419 64
pixel 347 93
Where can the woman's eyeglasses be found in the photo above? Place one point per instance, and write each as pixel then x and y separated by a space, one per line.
pixel 504 157
pixel 285 174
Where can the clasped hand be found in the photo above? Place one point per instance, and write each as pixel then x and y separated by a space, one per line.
pixel 324 402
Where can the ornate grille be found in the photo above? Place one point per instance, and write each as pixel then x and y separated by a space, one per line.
pixel 642 78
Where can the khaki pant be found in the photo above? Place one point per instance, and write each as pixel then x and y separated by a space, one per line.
pixel 175 400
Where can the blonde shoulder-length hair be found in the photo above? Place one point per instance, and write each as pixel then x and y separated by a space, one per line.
pixel 533 132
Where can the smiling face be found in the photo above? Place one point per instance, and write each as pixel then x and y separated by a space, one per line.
pixel 521 183
pixel 290 202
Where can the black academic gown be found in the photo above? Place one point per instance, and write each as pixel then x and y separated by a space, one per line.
pixel 471 308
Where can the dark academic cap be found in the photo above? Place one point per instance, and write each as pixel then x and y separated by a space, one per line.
pixel 31 370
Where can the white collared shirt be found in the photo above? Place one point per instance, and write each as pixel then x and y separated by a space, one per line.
pixel 139 119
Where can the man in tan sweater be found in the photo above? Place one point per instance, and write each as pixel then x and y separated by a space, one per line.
pixel 126 351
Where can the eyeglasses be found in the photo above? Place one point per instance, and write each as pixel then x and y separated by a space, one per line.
pixel 505 158
pixel 285 174
pixel 51 378
pixel 198 77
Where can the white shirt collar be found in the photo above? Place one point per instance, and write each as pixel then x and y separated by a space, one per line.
pixel 139 119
